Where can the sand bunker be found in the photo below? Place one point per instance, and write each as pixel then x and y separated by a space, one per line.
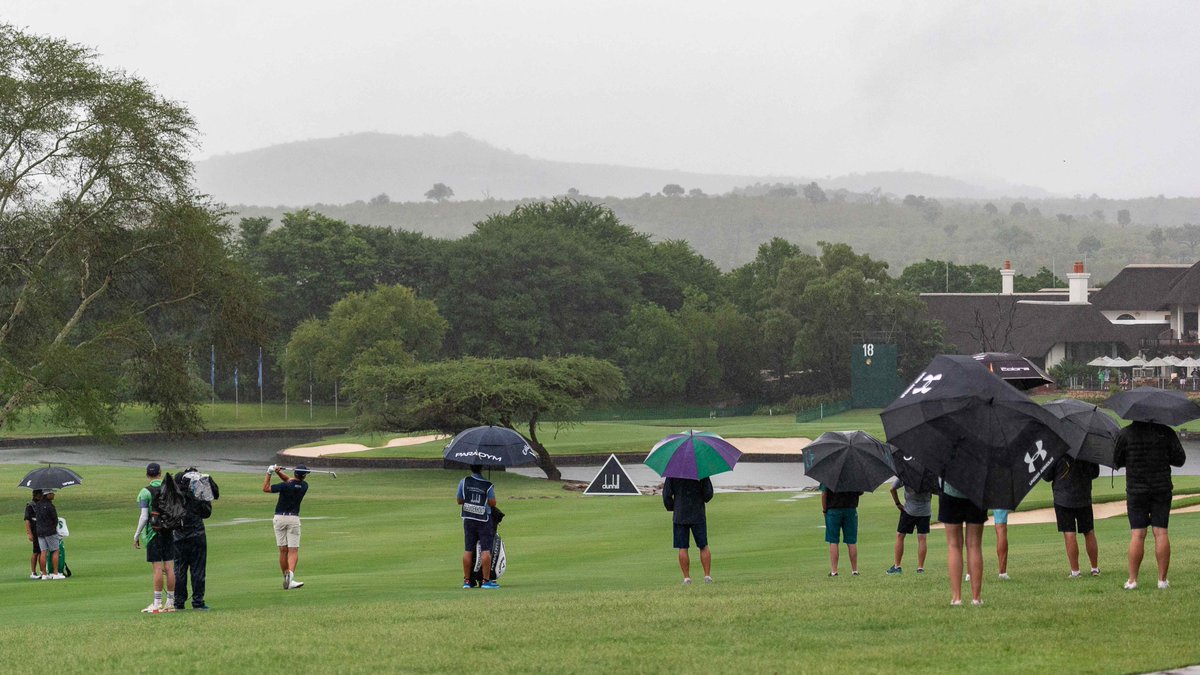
pixel 343 448
pixel 770 446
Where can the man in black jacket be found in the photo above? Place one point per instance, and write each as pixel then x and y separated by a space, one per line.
pixel 1072 481
pixel 686 498
pixel 191 543
pixel 1147 451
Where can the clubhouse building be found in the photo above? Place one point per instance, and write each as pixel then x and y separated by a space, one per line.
pixel 1148 310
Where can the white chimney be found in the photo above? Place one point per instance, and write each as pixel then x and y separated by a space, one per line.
pixel 1006 278
pixel 1077 285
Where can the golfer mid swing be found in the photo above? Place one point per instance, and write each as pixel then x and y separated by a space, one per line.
pixel 287 519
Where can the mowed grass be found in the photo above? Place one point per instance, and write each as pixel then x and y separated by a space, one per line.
pixel 602 438
pixel 137 418
pixel 592 585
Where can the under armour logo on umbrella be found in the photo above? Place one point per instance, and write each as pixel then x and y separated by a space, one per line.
pixel 1031 459
pixel 923 389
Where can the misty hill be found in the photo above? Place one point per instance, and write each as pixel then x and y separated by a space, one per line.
pixel 357 167
pixel 360 166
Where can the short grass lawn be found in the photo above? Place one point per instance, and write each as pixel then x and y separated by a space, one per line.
pixel 602 438
pixel 219 416
pixel 592 586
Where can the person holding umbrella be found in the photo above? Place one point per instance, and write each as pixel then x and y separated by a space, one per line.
pixel 47 532
pixel 687 461
pixel 1072 483
pixel 477 497
pixel 841 522
pixel 1147 449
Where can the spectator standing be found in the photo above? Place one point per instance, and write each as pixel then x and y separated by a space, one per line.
pixel 47 531
pixel 1072 482
pixel 841 522
pixel 685 498
pixel 915 514
pixel 31 532
pixel 1147 451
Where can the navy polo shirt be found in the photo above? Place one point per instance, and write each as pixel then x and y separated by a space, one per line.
pixel 291 494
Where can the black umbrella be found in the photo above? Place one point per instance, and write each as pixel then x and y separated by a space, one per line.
pixel 980 435
pixel 1148 404
pixel 848 461
pixel 913 473
pixel 489 446
pixel 1090 430
pixel 1014 369
pixel 50 478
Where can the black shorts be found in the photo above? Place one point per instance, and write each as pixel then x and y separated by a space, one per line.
pixel 478 531
pixel 956 511
pixel 160 549
pixel 1074 518
pixel 699 533
pixel 1149 510
pixel 909 523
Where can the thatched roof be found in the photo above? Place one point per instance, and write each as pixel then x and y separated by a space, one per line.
pixel 1138 287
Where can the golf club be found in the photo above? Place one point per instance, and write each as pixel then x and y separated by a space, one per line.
pixel 332 474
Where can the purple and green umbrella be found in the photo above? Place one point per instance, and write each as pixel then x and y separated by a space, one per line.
pixel 692 454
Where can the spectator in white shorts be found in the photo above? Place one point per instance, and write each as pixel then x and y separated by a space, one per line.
pixel 287 519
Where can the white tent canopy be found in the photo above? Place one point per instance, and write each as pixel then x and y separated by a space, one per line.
pixel 1156 362
pixel 1101 361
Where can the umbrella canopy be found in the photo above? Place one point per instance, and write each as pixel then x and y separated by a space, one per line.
pixel 692 454
pixel 1172 360
pixel 489 446
pixel 1014 369
pixel 1136 361
pixel 1157 362
pixel 985 438
pixel 1118 363
pixel 1092 433
pixel 50 478
pixel 848 461
pixel 1100 361
pixel 1150 404
pixel 913 473
pixel 1190 362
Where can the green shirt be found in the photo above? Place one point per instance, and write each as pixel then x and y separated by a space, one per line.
pixel 143 499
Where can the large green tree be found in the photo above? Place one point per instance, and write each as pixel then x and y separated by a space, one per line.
pixel 450 396
pixel 386 326
pixel 837 298
pixel 108 261
pixel 549 278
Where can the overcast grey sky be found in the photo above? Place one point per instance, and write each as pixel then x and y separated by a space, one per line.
pixel 1074 97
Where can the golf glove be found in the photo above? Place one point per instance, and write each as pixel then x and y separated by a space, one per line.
pixel 271 469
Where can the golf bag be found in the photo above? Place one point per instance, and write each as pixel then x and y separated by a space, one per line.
pixel 499 559
pixel 168 507
pixel 62 561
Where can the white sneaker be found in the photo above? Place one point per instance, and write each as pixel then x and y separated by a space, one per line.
pixel 287 580
pixel 1075 574
pixel 1164 584
pixel 35 575
pixel 59 576
pixel 1095 571
pixel 1130 585
pixel 154 608
pixel 687 581
pixel 977 603
pixel 708 580
pixel 1004 576
pixel 292 583
pixel 47 577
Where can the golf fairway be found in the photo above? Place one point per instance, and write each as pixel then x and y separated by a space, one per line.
pixel 592 585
